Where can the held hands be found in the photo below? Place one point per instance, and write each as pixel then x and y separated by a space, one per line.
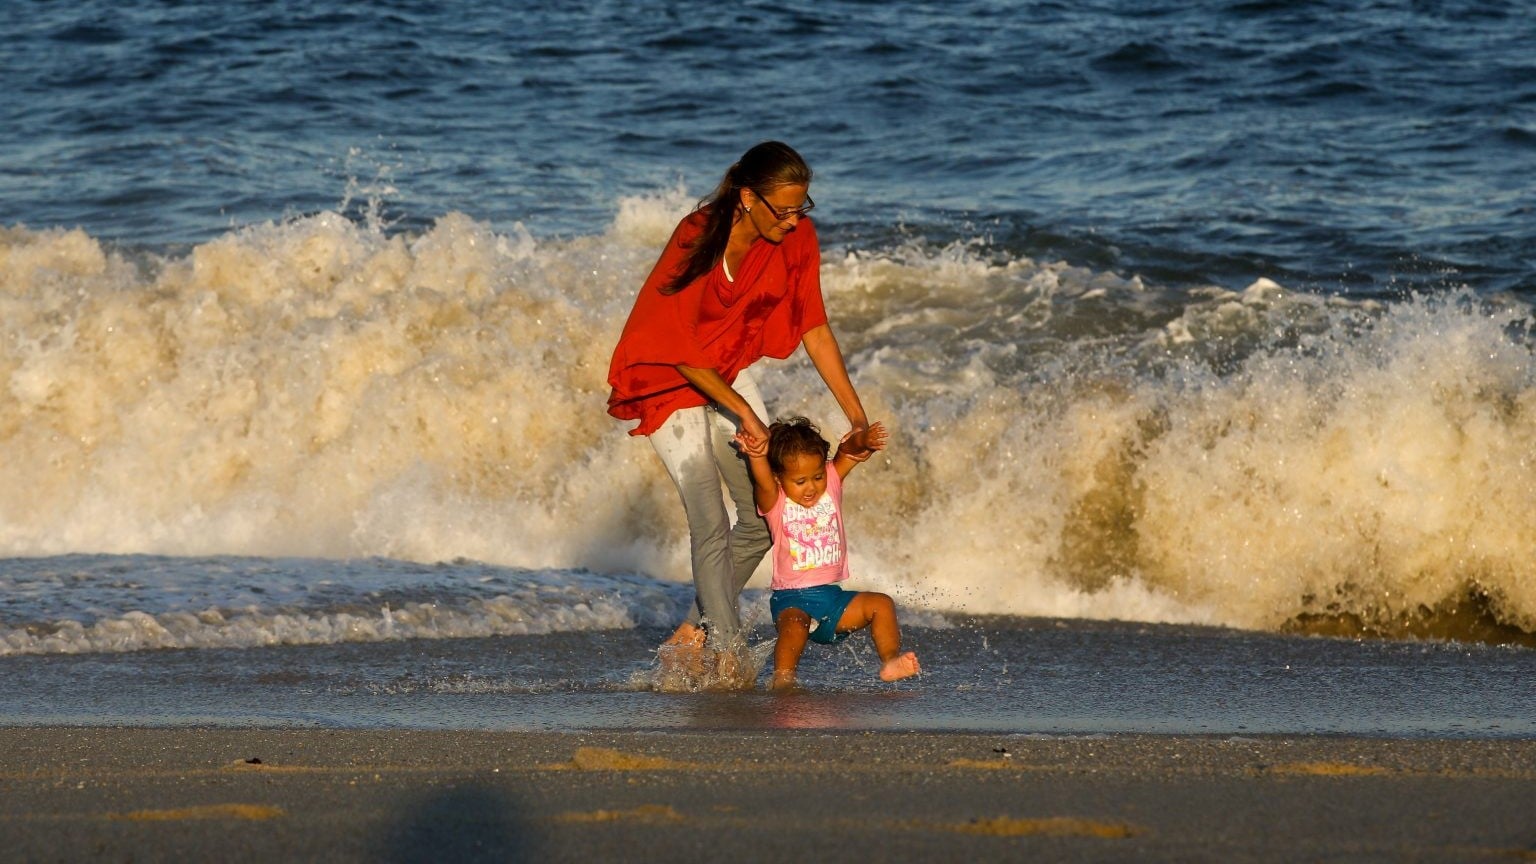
pixel 755 446
pixel 754 428
pixel 765 490
pixel 860 444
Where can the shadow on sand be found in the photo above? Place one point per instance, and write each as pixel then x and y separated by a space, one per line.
pixel 470 821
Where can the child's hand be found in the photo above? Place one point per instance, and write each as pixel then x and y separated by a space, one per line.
pixel 860 444
pixel 752 445
pixel 876 436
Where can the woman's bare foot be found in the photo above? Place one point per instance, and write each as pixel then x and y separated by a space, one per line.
pixel 687 635
pixel 901 666
pixel 683 652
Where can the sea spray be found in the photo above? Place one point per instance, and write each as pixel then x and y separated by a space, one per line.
pixel 304 388
pixel 1315 458
pixel 1066 442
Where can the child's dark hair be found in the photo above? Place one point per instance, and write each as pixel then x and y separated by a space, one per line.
pixel 796 436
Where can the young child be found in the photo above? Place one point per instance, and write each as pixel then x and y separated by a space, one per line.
pixel 800 492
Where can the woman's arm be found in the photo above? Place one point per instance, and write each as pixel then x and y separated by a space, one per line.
pixel 709 382
pixel 824 352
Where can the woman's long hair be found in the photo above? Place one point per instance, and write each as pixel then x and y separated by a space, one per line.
pixel 769 165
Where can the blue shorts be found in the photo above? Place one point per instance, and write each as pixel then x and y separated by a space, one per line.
pixel 824 603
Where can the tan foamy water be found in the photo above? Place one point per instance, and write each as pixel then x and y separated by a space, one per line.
pixel 1066 442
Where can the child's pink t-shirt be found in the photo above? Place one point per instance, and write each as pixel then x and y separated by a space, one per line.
pixel 810 546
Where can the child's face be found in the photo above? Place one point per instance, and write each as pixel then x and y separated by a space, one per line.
pixel 804 478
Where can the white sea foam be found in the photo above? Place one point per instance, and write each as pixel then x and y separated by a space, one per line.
pixel 106 603
pixel 214 628
pixel 1065 442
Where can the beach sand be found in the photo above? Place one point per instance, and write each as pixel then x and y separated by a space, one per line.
pixel 163 794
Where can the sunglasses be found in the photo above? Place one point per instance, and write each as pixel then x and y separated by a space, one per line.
pixel 784 215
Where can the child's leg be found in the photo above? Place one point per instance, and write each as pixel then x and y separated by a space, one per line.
pixel 794 629
pixel 878 612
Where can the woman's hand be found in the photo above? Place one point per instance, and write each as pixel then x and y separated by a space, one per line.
pixel 754 428
pixel 755 447
pixel 860 444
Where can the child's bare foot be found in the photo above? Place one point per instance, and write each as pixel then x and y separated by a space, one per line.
pixel 901 666
pixel 783 681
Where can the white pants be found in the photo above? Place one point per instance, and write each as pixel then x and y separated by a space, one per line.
pixel 695 446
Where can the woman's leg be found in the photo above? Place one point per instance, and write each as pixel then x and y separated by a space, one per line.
pixel 749 539
pixel 683 443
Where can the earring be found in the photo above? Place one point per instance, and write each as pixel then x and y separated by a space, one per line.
pixel 749 209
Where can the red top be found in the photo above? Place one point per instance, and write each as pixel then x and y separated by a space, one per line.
pixel 713 323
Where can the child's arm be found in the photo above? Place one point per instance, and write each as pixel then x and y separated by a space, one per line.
pixel 765 490
pixel 849 453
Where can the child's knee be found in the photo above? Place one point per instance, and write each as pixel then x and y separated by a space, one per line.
pixel 879 604
pixel 862 610
pixel 794 620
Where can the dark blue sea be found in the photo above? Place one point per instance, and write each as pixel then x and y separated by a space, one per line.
pixel 1368 148
pixel 1204 332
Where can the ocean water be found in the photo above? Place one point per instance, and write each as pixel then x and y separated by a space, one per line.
pixel 1203 331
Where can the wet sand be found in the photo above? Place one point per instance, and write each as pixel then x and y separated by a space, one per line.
pixel 148 794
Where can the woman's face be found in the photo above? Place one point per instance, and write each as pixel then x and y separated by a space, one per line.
pixel 782 213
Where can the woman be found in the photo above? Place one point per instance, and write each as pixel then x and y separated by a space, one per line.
pixel 739 280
